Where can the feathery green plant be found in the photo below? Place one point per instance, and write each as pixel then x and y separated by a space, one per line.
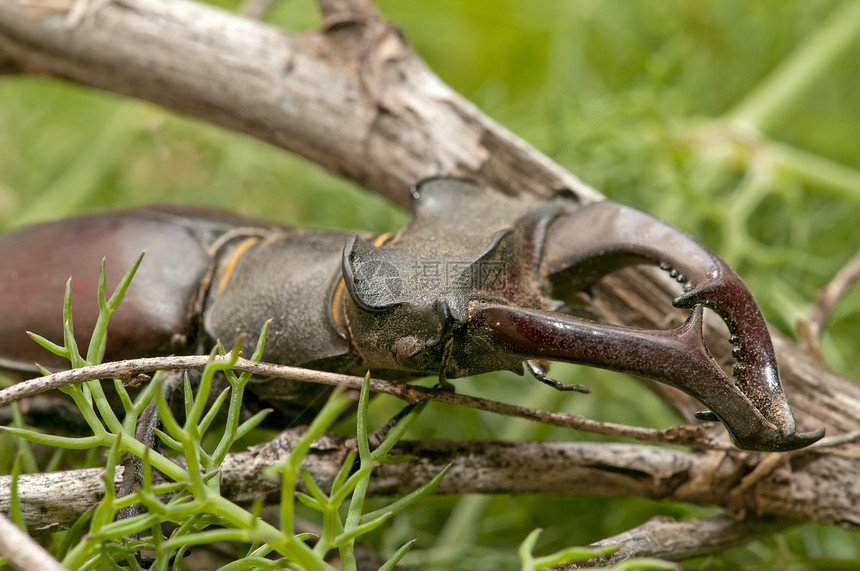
pixel 191 499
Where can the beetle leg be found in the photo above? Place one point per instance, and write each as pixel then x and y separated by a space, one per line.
pixel 538 373
pixel 145 432
pixel 599 238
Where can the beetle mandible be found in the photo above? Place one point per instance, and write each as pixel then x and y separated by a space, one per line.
pixel 474 283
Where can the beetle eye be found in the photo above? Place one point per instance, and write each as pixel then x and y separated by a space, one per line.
pixel 406 349
pixel 373 283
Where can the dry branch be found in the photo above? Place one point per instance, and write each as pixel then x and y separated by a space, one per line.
pixel 354 98
pixel 826 301
pixel 675 540
pixel 54 500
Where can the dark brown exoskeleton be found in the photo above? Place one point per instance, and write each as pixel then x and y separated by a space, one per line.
pixel 473 284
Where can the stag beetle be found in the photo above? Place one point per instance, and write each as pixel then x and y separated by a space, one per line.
pixel 473 284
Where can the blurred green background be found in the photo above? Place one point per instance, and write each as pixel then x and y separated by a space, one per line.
pixel 654 103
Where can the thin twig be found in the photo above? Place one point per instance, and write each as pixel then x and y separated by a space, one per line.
pixel 825 301
pixel 833 441
pixel 131 369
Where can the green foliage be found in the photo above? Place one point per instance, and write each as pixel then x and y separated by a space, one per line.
pixel 195 504
pixel 639 99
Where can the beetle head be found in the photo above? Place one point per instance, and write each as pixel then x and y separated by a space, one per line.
pixel 395 321
pixel 410 293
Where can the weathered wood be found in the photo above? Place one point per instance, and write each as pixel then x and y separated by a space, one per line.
pixel 54 500
pixel 352 97
pixel 666 538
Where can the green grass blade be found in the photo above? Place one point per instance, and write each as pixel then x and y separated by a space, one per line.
pixel 15 513
pixel 411 498
pixel 58 350
pixel 57 441
pixel 251 423
pixel 399 430
pixel 398 555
